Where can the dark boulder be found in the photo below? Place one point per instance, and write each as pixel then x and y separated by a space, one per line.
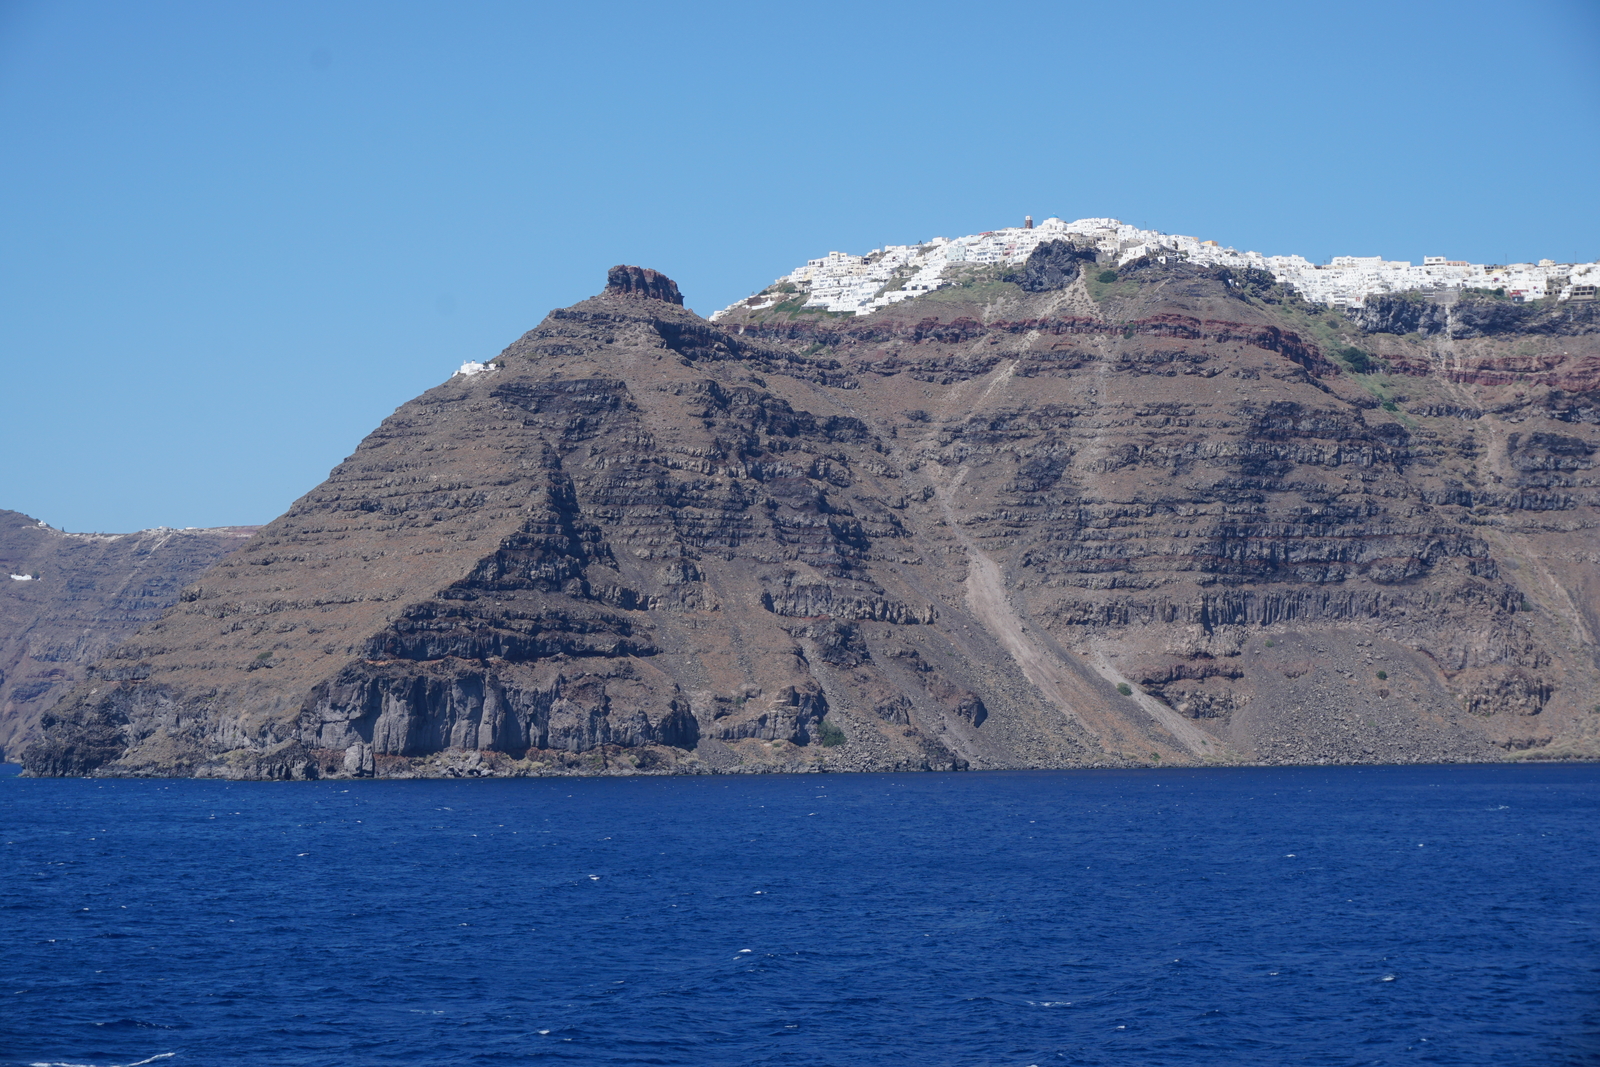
pixel 1399 315
pixel 1053 265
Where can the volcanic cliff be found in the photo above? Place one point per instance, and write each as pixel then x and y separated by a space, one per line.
pixel 1050 516
pixel 67 599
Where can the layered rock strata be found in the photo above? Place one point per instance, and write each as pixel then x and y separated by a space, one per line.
pixel 68 599
pixel 1040 519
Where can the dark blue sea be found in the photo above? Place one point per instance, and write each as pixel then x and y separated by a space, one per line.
pixel 1396 915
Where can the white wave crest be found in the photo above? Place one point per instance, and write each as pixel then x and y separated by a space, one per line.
pixel 141 1063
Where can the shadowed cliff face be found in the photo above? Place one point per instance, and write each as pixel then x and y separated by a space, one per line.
pixel 84 594
pixel 1463 317
pixel 1076 522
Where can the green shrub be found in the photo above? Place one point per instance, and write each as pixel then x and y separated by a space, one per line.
pixel 1125 689
pixel 1357 359
pixel 1383 676
pixel 1390 405
pixel 263 657
pixel 1107 277
pixel 829 734
pixel 1270 642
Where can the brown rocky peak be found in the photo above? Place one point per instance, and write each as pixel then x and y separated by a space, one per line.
pixel 623 280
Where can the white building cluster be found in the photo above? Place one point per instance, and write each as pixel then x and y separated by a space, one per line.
pixel 862 284
pixel 1347 281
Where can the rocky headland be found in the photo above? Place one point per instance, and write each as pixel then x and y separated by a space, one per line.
pixel 1063 513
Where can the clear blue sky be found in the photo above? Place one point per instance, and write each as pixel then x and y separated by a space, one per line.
pixel 234 236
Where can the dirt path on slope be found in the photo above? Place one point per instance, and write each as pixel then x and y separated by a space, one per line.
pixel 1193 738
pixel 1065 688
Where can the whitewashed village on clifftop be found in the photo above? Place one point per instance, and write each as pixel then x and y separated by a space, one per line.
pixel 839 282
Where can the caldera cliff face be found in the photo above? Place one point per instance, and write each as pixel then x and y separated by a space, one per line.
pixel 1037 520
pixel 67 599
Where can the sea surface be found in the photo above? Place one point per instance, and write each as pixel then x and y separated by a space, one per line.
pixel 1391 915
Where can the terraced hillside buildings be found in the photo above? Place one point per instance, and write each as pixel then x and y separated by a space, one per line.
pixel 840 282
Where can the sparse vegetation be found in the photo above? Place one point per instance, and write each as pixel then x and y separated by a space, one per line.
pixel 1323 324
pixel 1368 366
pixel 1358 360
pixel 829 734
pixel 975 290
pixel 981 283
pixel 1125 689
pixel 263 657
pixel 1270 642
pixel 797 306
pixel 1118 286
pixel 896 283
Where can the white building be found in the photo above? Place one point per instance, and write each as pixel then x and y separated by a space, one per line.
pixel 842 282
